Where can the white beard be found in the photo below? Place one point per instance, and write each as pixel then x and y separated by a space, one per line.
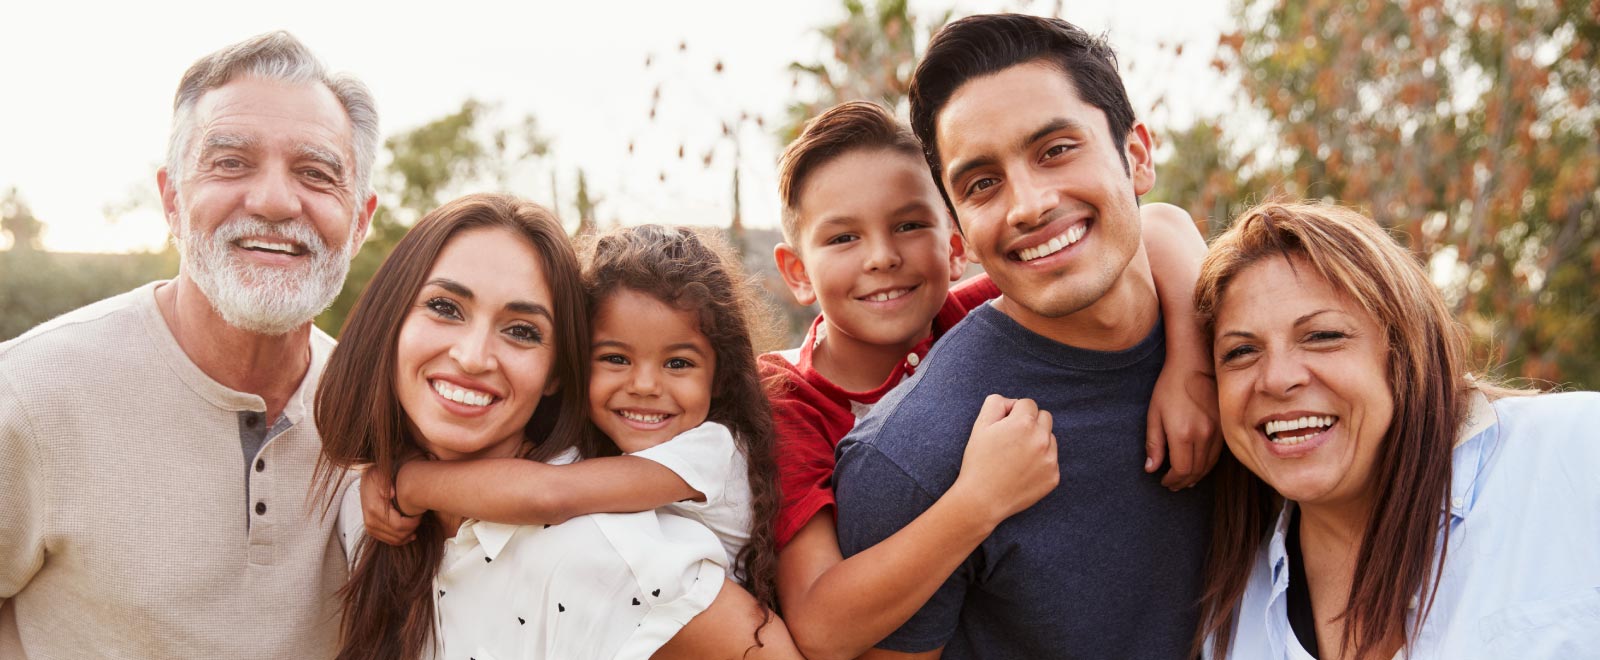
pixel 265 300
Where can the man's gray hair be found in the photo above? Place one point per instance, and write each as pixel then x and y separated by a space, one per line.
pixel 275 56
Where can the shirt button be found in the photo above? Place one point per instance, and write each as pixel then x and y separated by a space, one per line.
pixel 1414 603
pixel 251 420
pixel 261 508
pixel 1457 502
pixel 260 465
pixel 913 360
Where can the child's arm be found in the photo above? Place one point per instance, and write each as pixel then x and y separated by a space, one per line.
pixel 1182 426
pixel 516 491
pixel 523 492
pixel 840 608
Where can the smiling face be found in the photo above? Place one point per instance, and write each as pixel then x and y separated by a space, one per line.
pixel 266 210
pixel 475 352
pixel 1040 189
pixel 1301 383
pixel 652 372
pixel 874 248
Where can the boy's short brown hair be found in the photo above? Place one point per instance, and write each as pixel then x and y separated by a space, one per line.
pixel 839 130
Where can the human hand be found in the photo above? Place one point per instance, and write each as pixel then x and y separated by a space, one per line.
pixel 1010 460
pixel 383 522
pixel 1182 426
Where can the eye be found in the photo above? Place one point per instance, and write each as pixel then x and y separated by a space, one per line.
pixel 317 175
pixel 444 308
pixel 1324 336
pixel 912 226
pixel 1057 150
pixel 679 363
pixel 613 358
pixel 981 185
pixel 229 163
pixel 1238 353
pixel 525 333
pixel 841 239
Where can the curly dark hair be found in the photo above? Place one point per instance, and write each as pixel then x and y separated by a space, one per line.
pixel 696 271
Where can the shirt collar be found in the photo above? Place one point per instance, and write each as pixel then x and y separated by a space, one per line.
pixel 1469 454
pixel 492 537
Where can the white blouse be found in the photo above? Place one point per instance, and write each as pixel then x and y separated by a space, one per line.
pixel 707 459
pixel 596 586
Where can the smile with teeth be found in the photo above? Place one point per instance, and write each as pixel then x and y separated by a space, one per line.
pixel 645 418
pixel 885 296
pixel 1055 245
pixel 281 247
pixel 462 395
pixel 1278 432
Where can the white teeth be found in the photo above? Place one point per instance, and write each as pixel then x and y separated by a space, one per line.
pixel 271 246
pixel 641 417
pixel 1274 428
pixel 888 295
pixel 462 396
pixel 1055 245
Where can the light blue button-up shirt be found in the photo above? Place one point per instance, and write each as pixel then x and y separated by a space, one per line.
pixel 1522 575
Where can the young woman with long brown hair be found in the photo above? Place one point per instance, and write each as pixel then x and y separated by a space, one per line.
pixel 471 342
pixel 1375 499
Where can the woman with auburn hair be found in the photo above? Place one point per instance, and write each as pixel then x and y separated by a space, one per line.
pixel 472 341
pixel 1376 499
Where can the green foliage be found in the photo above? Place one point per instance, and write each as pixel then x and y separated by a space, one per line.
pixel 1468 126
pixel 39 286
pixel 874 51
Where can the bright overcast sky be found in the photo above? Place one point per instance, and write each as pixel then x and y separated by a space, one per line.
pixel 88 89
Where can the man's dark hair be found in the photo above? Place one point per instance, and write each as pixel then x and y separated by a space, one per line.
pixel 978 46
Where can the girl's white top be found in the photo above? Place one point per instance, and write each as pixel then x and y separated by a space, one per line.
pixel 708 459
pixel 596 586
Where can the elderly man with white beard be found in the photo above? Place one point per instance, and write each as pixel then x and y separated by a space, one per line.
pixel 157 447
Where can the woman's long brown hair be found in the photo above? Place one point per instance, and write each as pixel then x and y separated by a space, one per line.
pixel 697 272
pixel 388 611
pixel 1411 478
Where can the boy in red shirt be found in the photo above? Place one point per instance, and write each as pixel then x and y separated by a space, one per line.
pixel 868 237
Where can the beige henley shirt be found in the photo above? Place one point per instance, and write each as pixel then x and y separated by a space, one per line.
pixel 131 525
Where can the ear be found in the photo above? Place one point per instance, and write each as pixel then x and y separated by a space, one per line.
pixel 958 256
pixel 552 387
pixel 793 270
pixel 1141 158
pixel 169 201
pixel 364 222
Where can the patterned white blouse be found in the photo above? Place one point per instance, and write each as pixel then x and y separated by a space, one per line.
pixel 596 586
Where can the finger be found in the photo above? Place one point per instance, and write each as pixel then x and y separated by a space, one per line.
pixel 994 408
pixel 1155 443
pixel 1181 454
pixel 1045 422
pixel 1024 409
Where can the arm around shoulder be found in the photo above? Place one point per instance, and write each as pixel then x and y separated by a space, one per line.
pixel 24 495
pixel 523 492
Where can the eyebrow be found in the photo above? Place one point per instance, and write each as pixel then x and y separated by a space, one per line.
pixel 615 343
pixel 1297 322
pixel 326 157
pixel 220 141
pixel 1052 126
pixel 518 306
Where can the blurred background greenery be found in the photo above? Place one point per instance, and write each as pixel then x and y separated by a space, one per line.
pixel 1467 126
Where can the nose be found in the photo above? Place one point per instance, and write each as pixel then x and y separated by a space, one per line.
pixel 1281 374
pixel 273 196
pixel 882 255
pixel 473 352
pixel 1031 198
pixel 644 381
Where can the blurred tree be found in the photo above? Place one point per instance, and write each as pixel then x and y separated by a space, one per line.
pixel 427 166
pixel 874 52
pixel 1468 126
pixel 17 220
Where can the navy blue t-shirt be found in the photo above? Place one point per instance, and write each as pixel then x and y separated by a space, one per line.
pixel 1108 565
